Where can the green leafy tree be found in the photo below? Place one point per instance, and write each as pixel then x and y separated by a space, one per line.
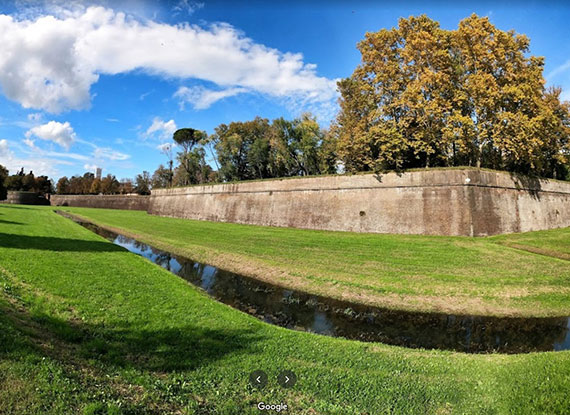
pixel 3 177
pixel 167 150
pixel 109 185
pixel 63 186
pixel 305 151
pixel 75 185
pixel 143 183
pixel 295 146
pixel 14 182
pixel 187 139
pixel 95 186
pixel 86 182
pixel 126 186
pixel 258 158
pixel 81 185
pixel 161 178
pixel 28 182
pixel 327 153
pixel 193 168
pixel 243 149
pixel 43 185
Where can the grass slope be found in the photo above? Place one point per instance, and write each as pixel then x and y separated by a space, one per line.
pixel 554 243
pixel 485 276
pixel 87 327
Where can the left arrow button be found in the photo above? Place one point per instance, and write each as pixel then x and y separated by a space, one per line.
pixel 258 378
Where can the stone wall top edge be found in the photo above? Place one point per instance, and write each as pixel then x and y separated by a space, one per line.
pixel 100 196
pixel 427 178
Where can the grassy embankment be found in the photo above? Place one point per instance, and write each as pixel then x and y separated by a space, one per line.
pixel 87 327
pixel 484 276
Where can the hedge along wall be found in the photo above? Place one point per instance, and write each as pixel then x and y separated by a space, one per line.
pixel 130 202
pixel 466 202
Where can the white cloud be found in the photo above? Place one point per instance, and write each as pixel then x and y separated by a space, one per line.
pixel 51 62
pixel 73 156
pixel 202 98
pixel 4 149
pixel 161 129
pixel 109 154
pixel 90 167
pixel 35 117
pixel 39 165
pixel 144 95
pixel 111 120
pixel 558 70
pixel 187 6
pixel 57 132
pixel 166 147
pixel 29 142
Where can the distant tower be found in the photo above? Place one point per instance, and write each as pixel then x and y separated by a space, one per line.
pixel 99 171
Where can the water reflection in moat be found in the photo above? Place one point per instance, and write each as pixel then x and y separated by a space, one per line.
pixel 301 311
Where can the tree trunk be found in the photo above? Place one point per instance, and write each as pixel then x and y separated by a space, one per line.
pixel 480 156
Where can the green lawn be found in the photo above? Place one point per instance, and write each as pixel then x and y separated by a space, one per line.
pixel 87 327
pixel 555 243
pixel 484 276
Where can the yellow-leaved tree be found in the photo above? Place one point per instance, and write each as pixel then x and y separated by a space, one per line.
pixel 424 96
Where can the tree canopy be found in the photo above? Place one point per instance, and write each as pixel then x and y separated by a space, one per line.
pixel 259 149
pixel 23 182
pixel 255 149
pixel 425 96
pixel 3 177
pixel 143 183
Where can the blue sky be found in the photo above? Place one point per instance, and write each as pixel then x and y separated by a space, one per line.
pixel 86 84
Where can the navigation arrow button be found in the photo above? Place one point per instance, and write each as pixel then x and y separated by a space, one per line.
pixel 287 379
pixel 258 378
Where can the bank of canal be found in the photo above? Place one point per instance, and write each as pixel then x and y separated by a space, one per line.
pixel 307 312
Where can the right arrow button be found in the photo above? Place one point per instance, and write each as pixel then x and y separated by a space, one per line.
pixel 287 379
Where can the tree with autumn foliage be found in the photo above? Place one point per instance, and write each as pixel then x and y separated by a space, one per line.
pixel 424 96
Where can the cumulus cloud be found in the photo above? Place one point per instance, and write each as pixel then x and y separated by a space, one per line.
pixel 51 62
pixel 201 98
pixel 57 132
pixel 161 129
pixel 90 167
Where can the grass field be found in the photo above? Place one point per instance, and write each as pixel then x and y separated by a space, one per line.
pixel 554 243
pixel 486 276
pixel 87 327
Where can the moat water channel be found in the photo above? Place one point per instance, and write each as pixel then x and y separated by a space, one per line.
pixel 301 311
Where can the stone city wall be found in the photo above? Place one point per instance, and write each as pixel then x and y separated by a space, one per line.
pixel 130 202
pixel 25 198
pixel 468 202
